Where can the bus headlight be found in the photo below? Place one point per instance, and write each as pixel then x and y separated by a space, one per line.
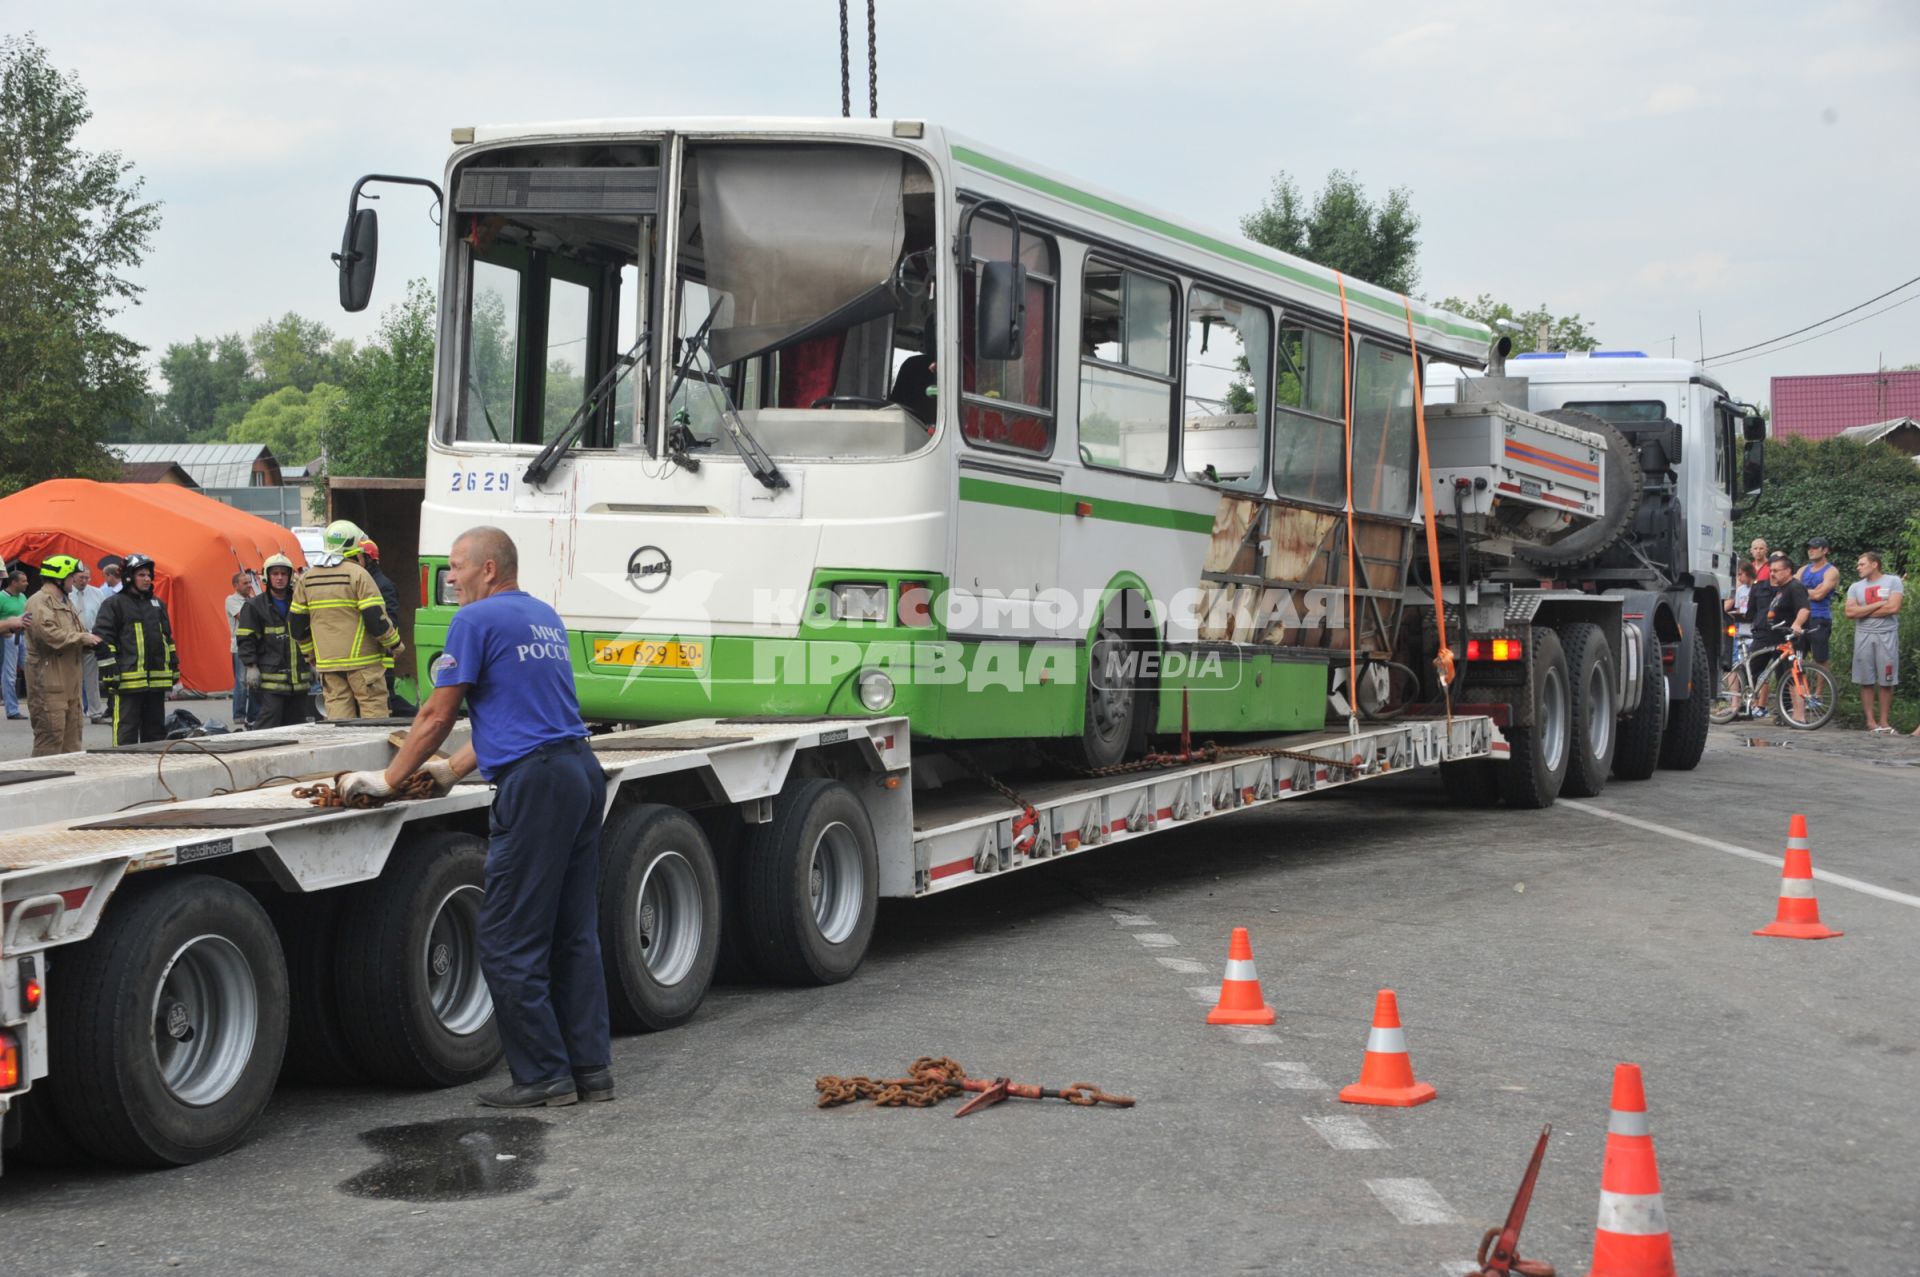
pixel 858 601
pixel 876 689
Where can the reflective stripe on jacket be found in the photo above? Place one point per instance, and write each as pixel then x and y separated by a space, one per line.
pixel 264 640
pixel 338 618
pixel 136 643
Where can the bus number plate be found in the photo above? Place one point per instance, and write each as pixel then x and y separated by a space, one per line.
pixel 666 654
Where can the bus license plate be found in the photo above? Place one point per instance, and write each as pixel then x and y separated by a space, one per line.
pixel 665 654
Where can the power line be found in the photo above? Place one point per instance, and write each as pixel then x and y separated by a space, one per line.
pixel 1707 359
pixel 1830 332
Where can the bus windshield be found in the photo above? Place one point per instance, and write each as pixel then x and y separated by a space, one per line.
pixel 804 299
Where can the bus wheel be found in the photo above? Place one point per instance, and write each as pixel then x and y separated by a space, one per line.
pixel 1112 723
pixel 811 885
pixel 1538 765
pixel 1595 711
pixel 1685 739
pixel 659 916
pixel 413 1004
pixel 170 1024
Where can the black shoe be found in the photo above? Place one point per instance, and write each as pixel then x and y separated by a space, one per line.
pixel 594 1084
pixel 530 1095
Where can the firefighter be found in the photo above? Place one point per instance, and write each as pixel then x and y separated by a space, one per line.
pixel 57 641
pixel 390 596
pixel 137 666
pixel 342 626
pixel 275 671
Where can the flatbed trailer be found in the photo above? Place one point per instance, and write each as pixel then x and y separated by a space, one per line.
pixel 161 966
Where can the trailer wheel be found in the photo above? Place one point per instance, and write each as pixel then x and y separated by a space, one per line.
pixel 413 1005
pixel 316 1050
pixel 1471 782
pixel 44 1138
pixel 1538 764
pixel 1637 753
pixel 174 1021
pixel 811 882
pixel 659 916
pixel 1685 738
pixel 1596 710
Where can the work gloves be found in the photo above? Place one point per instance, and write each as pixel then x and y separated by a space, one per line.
pixel 443 776
pixel 253 676
pixel 364 785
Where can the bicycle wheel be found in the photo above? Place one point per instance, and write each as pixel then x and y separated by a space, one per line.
pixel 1733 695
pixel 1808 709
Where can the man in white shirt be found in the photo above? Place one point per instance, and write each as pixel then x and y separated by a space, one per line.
pixel 1873 605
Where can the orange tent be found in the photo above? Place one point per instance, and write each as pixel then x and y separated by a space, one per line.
pixel 196 543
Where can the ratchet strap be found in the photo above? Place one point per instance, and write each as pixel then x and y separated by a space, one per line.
pixel 1443 660
pixel 1353 616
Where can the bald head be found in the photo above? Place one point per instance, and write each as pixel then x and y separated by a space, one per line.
pixel 483 562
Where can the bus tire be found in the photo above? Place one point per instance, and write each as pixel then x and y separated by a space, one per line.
pixel 414 1008
pixel 1636 754
pixel 811 885
pixel 1537 766
pixel 659 916
pixel 1685 738
pixel 1595 723
pixel 1112 718
pixel 1471 782
pixel 307 924
pixel 173 1024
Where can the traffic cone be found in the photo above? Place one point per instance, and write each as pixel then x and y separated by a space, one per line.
pixel 1240 1000
pixel 1386 1073
pixel 1798 917
pixel 1631 1239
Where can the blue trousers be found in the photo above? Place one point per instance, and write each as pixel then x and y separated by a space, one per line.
pixel 242 694
pixel 13 654
pixel 539 924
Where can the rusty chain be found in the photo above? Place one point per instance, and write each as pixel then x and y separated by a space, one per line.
pixel 931 1079
pixel 323 794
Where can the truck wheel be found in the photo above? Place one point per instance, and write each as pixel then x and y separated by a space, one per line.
pixel 1471 782
pixel 44 1138
pixel 174 1021
pixel 1596 709
pixel 659 916
pixel 1637 752
pixel 413 1005
pixel 1538 765
pixel 316 1051
pixel 1685 738
pixel 811 885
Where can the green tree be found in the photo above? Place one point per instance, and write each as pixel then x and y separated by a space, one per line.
pixel 379 426
pixel 210 386
pixel 1860 496
pixel 73 227
pixel 291 421
pixel 1563 332
pixel 1343 230
pixel 295 351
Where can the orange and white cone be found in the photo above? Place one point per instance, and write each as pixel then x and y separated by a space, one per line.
pixel 1240 999
pixel 1631 1239
pixel 1798 916
pixel 1386 1072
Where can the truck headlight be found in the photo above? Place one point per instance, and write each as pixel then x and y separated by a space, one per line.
pixel 858 601
pixel 876 689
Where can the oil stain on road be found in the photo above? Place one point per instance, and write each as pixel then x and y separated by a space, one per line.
pixel 451 1160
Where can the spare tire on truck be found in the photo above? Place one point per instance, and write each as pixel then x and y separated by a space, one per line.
pixel 1625 484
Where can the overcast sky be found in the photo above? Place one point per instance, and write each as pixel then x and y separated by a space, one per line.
pixel 1657 167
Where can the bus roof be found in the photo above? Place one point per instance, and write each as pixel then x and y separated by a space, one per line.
pixel 1072 202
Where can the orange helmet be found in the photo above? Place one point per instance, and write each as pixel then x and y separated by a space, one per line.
pixel 368 548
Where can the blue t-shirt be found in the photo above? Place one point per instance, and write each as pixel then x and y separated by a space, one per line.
pixel 511 651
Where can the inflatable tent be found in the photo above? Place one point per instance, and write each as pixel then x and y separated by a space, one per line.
pixel 196 543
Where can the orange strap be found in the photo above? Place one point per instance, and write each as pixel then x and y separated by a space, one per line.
pixel 1353 616
pixel 1443 661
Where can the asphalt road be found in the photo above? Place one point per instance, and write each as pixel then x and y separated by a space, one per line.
pixel 1529 951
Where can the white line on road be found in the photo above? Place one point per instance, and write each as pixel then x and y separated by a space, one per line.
pixel 1132 919
pixel 1747 853
pixel 1413 1201
pixel 1291 1075
pixel 1156 939
pixel 1460 1268
pixel 1203 993
pixel 1185 966
pixel 1344 1131
pixel 1246 1035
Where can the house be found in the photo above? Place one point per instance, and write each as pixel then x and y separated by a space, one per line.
pixel 1823 406
pixel 155 472
pixel 246 476
pixel 1901 434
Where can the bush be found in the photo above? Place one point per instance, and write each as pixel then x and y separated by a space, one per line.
pixel 1860 496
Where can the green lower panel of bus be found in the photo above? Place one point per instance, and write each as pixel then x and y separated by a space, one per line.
pixel 1228 689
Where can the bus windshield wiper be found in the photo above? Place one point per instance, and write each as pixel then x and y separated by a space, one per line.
pixel 758 463
pixel 542 465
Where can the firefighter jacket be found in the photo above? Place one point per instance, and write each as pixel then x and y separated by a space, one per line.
pixel 56 642
pixel 339 620
pixel 263 639
pixel 390 597
pixel 136 643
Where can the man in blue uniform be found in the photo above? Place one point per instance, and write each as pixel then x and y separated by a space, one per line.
pixel 506 656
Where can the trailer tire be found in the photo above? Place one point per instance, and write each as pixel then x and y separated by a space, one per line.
pixel 1685 738
pixel 45 1140
pixel 811 885
pixel 1537 766
pixel 1471 782
pixel 659 916
pixel 1637 753
pixel 1595 723
pixel 174 1024
pixel 316 1049
pixel 413 1006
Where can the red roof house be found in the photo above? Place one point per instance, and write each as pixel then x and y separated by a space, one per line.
pixel 1821 407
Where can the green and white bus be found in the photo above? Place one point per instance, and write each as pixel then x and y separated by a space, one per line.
pixel 939 433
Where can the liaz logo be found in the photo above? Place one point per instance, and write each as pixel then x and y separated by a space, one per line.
pixel 648 569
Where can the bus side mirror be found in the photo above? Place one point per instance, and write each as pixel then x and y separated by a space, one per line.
pixel 359 254
pixel 1001 310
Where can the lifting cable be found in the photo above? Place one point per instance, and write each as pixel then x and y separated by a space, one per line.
pixel 873 65
pixel 1353 618
pixel 1443 660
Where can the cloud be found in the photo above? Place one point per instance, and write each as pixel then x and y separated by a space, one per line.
pixel 1672 99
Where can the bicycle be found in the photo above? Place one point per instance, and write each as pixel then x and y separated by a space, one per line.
pixel 1802 695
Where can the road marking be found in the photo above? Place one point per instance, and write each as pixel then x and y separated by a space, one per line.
pixel 1203 993
pixel 1185 966
pixel 1132 919
pixel 1247 1035
pixel 1413 1201
pixel 1746 853
pixel 1156 939
pixel 1345 1131
pixel 1291 1075
pixel 1460 1268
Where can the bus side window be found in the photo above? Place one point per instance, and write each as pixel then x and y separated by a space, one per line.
pixel 1224 397
pixel 1126 370
pixel 1007 404
pixel 1383 445
pixel 1309 428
